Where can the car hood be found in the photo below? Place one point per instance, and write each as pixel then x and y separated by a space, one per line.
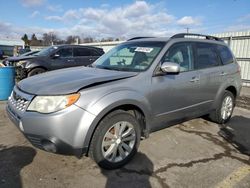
pixel 70 80
pixel 19 58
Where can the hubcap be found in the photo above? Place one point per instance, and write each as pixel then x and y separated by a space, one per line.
pixel 118 141
pixel 227 108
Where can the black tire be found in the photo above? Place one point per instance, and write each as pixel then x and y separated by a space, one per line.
pixel 36 71
pixel 105 126
pixel 216 115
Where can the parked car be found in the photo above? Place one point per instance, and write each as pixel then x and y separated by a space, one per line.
pixel 138 87
pixel 56 57
pixel 10 61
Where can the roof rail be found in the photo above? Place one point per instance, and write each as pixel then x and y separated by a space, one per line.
pixel 134 38
pixel 194 35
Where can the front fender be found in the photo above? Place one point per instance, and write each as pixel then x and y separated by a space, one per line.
pixel 114 100
pixel 34 64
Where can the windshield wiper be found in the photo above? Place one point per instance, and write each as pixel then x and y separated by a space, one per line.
pixel 117 68
pixel 108 68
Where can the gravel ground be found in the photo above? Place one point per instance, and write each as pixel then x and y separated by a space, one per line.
pixel 243 102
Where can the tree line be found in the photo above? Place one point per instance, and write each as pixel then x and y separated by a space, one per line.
pixel 48 39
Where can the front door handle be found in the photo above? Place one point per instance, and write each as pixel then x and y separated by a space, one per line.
pixel 194 79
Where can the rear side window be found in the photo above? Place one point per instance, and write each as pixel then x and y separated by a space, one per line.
pixel 79 52
pixel 225 54
pixel 181 53
pixel 65 52
pixel 206 56
pixel 95 53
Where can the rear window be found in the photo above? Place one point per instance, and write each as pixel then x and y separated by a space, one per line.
pixel 65 52
pixel 225 54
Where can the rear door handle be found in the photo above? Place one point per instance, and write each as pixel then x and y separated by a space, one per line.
pixel 70 60
pixel 223 73
pixel 194 79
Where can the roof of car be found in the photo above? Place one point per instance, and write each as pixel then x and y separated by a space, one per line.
pixel 81 46
pixel 180 36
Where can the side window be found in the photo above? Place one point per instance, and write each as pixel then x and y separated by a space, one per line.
pixel 206 56
pixel 94 53
pixel 79 52
pixel 225 54
pixel 65 52
pixel 181 53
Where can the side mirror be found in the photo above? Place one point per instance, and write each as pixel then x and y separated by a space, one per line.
pixel 55 56
pixel 169 67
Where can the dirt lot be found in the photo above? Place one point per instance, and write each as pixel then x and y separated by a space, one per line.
pixel 196 153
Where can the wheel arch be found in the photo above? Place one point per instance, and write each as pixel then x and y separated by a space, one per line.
pixel 35 67
pixel 136 110
pixel 233 90
pixel 221 92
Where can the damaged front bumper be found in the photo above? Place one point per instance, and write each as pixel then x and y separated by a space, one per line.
pixel 21 73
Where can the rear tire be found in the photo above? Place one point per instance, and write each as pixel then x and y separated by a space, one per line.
pixel 224 110
pixel 36 71
pixel 115 140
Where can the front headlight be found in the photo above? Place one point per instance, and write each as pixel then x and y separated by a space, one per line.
pixel 19 63
pixel 48 104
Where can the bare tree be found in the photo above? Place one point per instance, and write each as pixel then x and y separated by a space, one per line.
pixel 87 39
pixel 73 39
pixel 50 39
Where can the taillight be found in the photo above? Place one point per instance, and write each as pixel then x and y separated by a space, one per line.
pixel 238 69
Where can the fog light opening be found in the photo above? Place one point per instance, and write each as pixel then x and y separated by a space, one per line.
pixel 49 146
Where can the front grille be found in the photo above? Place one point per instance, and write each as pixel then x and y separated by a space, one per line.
pixel 18 102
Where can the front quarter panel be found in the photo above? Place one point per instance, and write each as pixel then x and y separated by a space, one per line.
pixel 36 63
pixel 113 100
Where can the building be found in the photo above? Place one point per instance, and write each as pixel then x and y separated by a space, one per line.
pixel 7 45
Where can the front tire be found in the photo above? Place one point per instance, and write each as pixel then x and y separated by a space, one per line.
pixel 115 140
pixel 224 111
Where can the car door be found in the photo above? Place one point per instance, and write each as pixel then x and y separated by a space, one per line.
pixel 210 67
pixel 63 58
pixel 176 96
pixel 228 69
pixel 84 56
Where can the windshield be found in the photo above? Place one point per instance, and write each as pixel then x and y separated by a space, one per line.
pixel 29 53
pixel 46 51
pixel 136 57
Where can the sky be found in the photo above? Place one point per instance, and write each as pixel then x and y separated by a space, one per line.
pixel 121 18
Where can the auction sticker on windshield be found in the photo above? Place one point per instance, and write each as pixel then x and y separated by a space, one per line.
pixel 143 49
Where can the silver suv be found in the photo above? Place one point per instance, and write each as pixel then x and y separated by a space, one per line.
pixel 140 86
